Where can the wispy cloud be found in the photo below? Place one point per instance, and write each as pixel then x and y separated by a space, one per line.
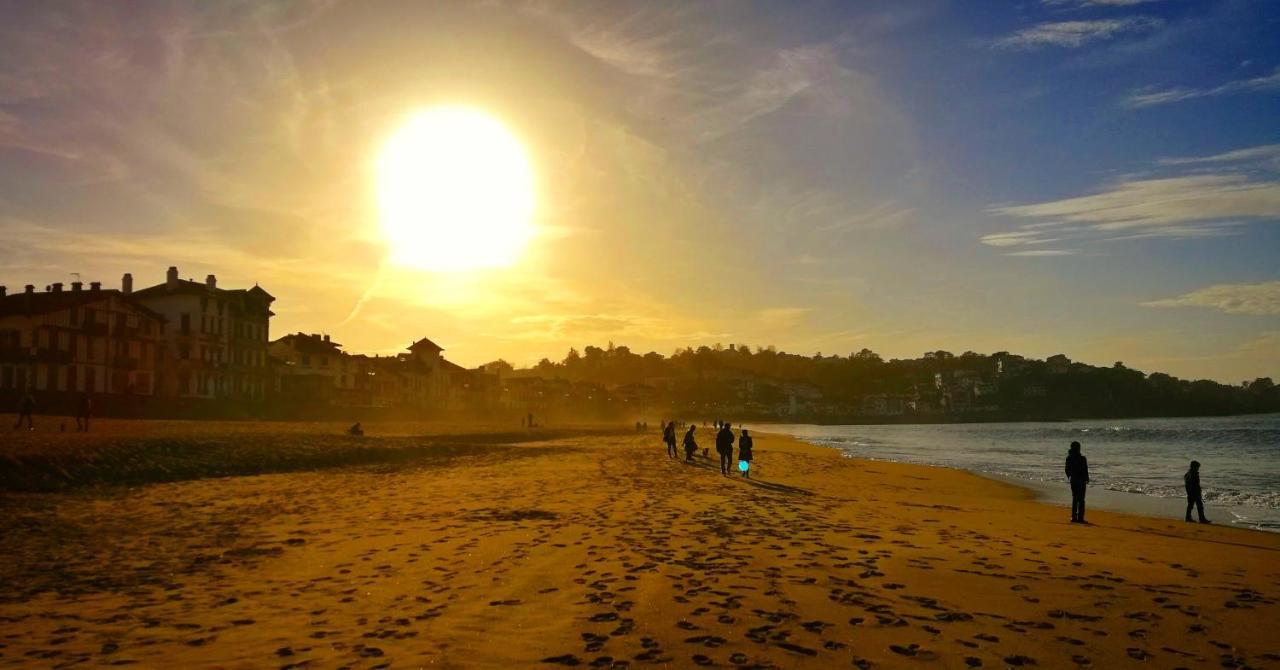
pixel 1257 299
pixel 1151 97
pixel 1206 196
pixel 1042 253
pixel 1267 155
pixel 1072 34
pixel 1152 203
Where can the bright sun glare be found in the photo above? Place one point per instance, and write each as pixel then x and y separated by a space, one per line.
pixel 455 192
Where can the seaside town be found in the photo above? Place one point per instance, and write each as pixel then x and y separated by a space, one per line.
pixel 188 348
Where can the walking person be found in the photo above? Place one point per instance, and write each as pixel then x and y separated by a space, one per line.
pixel 690 444
pixel 1194 497
pixel 25 408
pixel 724 447
pixel 669 437
pixel 1078 475
pixel 84 409
pixel 745 443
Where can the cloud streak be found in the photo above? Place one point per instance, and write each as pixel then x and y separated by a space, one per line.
pixel 1206 196
pixel 1153 97
pixel 1074 34
pixel 1261 299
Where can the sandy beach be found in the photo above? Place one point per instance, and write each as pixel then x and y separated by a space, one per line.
pixel 593 549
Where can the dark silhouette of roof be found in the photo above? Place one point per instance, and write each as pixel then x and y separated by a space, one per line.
pixel 425 345
pixel 191 287
pixel 30 304
pixel 310 343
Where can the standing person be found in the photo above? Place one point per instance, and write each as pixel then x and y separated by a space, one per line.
pixel 745 443
pixel 690 444
pixel 724 447
pixel 25 407
pixel 84 409
pixel 669 437
pixel 1078 475
pixel 1194 497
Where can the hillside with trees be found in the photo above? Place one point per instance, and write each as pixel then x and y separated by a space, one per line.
pixel 765 383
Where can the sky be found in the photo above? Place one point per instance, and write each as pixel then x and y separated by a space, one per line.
pixel 1099 178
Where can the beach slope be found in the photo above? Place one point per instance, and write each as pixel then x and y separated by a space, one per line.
pixel 599 551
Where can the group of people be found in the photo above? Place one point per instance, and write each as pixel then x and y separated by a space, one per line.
pixel 1078 475
pixel 725 439
pixel 27 407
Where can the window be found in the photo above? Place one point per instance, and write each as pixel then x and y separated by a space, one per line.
pixel 71 378
pixel 90 379
pixel 186 323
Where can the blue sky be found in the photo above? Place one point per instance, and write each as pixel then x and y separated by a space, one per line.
pixel 1099 178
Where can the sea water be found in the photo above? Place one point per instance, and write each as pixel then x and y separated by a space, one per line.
pixel 1136 465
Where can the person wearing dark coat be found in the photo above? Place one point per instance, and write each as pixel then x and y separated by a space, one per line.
pixel 690 444
pixel 669 437
pixel 724 447
pixel 26 407
pixel 1194 496
pixel 84 410
pixel 745 443
pixel 1078 475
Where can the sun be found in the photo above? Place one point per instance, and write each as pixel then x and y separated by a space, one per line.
pixel 455 192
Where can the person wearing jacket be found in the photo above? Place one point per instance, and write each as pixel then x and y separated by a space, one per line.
pixel 745 443
pixel 1078 475
pixel 690 444
pixel 1194 497
pixel 724 447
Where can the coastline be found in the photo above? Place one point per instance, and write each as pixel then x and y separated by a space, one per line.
pixel 596 550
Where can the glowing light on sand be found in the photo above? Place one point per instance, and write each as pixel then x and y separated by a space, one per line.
pixel 455 192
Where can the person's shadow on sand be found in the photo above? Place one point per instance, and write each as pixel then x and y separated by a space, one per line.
pixel 768 486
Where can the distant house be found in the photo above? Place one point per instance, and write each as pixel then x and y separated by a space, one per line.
pixel 216 343
pixel 315 368
pixel 311 366
pixel 77 340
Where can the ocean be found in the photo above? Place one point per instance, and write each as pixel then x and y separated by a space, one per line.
pixel 1136 465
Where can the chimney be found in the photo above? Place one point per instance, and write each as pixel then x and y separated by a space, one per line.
pixel 326 338
pixel 95 286
pixel 3 291
pixel 126 283
pixel 171 277
pixel 29 289
pixel 57 287
pixel 211 281
pixel 76 286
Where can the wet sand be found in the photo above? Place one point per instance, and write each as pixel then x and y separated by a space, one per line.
pixel 598 551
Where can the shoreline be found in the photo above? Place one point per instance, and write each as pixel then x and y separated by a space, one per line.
pixel 1026 468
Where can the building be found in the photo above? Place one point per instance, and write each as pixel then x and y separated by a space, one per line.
pixel 312 366
pixel 77 340
pixel 217 338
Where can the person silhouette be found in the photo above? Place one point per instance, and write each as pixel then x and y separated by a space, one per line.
pixel 745 443
pixel 669 437
pixel 1078 475
pixel 724 447
pixel 25 408
pixel 356 430
pixel 84 410
pixel 1194 497
pixel 690 444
